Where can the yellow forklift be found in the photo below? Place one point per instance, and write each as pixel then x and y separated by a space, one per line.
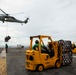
pixel 47 54
pixel 74 48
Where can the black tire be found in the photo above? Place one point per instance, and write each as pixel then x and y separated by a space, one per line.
pixel 40 67
pixel 57 63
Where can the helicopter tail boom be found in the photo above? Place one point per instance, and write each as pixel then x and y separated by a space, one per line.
pixel 26 20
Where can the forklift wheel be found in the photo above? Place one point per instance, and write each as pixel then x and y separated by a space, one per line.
pixel 57 63
pixel 39 68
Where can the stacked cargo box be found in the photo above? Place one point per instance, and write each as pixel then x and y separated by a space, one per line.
pixel 66 51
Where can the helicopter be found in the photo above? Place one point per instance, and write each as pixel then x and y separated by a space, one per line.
pixel 6 17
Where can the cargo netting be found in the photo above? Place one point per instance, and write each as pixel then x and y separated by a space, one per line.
pixel 66 51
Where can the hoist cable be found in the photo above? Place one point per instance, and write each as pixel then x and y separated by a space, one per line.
pixel 6 28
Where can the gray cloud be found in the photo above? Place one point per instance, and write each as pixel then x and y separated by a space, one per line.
pixel 56 18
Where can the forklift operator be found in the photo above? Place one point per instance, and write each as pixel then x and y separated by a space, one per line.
pixel 36 45
pixel 44 49
pixel 51 50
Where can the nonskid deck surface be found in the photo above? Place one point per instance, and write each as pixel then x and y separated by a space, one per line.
pixel 16 65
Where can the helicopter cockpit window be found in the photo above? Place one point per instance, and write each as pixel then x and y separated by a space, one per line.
pixel 13 17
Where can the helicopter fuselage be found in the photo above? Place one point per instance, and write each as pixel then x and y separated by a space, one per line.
pixel 10 19
pixel 6 17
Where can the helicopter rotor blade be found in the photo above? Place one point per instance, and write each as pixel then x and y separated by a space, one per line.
pixel 16 13
pixel 4 12
pixel 19 13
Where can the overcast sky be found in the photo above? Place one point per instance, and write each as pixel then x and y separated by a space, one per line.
pixel 56 18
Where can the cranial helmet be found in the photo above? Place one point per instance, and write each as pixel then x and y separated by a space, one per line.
pixel 36 41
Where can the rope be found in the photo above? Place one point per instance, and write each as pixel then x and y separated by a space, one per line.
pixel 6 28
